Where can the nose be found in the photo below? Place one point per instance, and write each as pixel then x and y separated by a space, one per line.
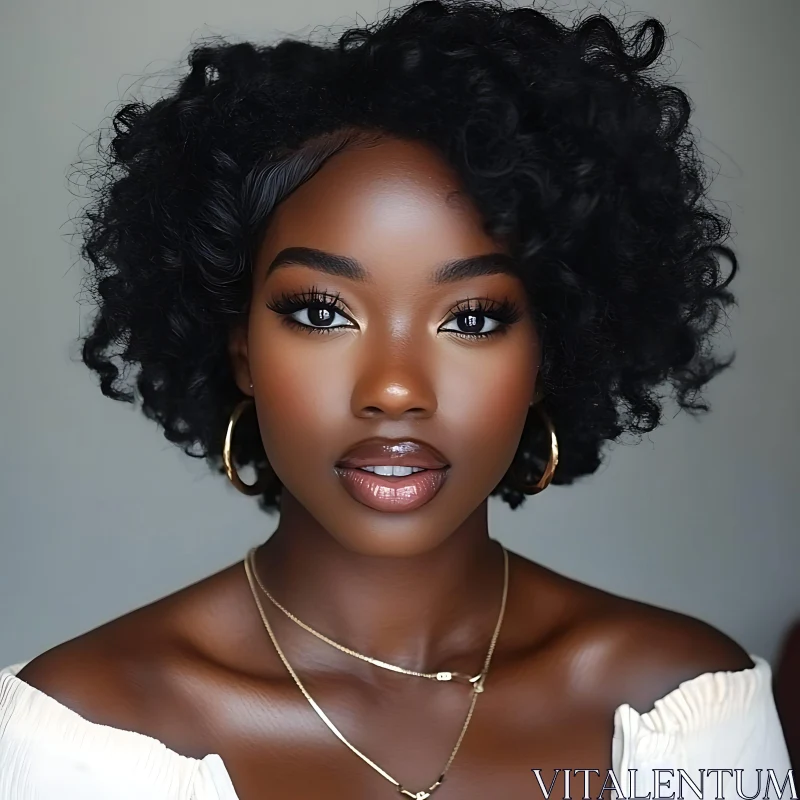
pixel 395 383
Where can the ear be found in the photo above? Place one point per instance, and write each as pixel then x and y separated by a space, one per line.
pixel 240 363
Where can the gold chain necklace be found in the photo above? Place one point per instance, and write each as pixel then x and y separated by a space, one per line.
pixel 249 567
pixel 443 675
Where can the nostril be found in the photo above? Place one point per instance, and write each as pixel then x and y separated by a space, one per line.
pixel 377 411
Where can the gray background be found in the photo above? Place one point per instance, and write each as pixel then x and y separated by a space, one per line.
pixel 99 514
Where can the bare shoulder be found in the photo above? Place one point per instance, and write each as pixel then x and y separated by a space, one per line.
pixel 120 673
pixel 644 652
pixel 91 676
pixel 615 650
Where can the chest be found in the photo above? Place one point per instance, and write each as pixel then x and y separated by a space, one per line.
pixel 284 749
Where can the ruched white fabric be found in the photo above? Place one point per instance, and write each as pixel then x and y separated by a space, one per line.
pixel 720 720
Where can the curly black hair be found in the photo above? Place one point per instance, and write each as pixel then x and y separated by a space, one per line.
pixel 574 151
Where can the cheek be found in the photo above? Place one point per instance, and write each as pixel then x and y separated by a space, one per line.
pixel 487 393
pixel 301 390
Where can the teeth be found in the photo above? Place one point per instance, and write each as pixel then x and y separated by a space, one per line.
pixel 398 472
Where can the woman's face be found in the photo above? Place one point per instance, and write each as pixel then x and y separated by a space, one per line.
pixel 386 331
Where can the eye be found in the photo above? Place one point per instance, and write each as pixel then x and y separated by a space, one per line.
pixel 312 311
pixel 482 317
pixel 471 323
pixel 320 315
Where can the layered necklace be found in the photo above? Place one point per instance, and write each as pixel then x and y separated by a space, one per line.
pixel 476 682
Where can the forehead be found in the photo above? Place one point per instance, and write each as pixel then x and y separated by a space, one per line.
pixel 380 203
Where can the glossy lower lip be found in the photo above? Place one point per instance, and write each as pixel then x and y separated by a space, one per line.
pixel 392 494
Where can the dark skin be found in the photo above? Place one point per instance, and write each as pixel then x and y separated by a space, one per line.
pixel 197 671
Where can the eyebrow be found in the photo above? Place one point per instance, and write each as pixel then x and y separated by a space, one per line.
pixel 451 271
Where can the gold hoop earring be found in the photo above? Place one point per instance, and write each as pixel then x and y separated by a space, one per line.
pixel 227 455
pixel 552 463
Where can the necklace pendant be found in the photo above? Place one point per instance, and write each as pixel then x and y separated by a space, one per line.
pixel 421 795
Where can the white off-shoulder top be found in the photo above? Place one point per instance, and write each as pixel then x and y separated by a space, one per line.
pixel 719 720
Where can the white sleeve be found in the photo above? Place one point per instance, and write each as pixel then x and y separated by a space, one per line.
pixel 724 721
pixel 49 752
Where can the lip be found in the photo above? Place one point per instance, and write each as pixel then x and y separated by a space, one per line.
pixel 393 452
pixel 395 493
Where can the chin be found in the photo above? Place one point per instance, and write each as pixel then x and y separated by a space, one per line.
pixel 396 535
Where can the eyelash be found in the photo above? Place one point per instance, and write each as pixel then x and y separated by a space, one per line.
pixel 288 304
pixel 504 312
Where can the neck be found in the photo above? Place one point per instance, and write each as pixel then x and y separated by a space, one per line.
pixel 426 612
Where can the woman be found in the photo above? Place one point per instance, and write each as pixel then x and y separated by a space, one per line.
pixel 448 258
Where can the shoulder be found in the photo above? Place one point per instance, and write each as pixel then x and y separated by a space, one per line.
pixel 103 675
pixel 124 673
pixel 93 718
pixel 641 652
pixel 609 650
